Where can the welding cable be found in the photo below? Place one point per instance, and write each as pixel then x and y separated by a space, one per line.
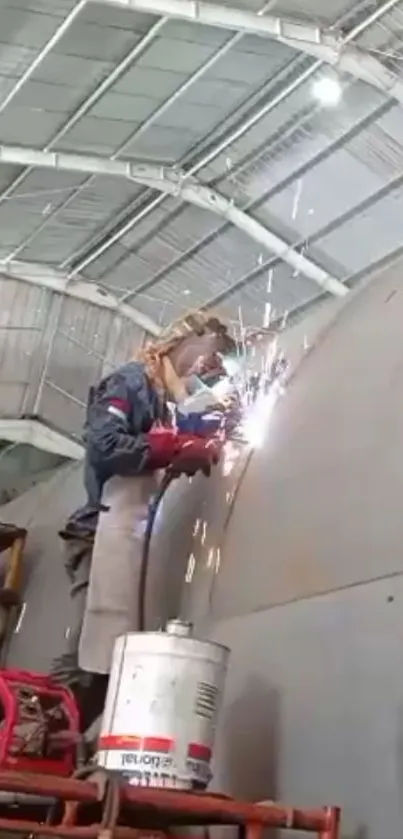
pixel 154 507
pixel 169 476
pixel 145 553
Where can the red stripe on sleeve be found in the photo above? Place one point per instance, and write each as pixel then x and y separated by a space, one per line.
pixel 120 404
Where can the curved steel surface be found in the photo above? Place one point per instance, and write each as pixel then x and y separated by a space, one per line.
pixel 310 586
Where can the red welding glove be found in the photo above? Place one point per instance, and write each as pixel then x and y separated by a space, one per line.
pixel 196 455
pixel 163 446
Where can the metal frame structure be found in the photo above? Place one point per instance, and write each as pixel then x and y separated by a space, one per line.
pixel 357 64
pixel 174 183
pixel 324 46
pixel 322 155
pixel 310 39
pixel 90 292
pixel 151 811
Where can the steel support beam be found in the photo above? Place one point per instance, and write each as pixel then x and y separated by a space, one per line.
pixel 304 37
pixel 171 182
pixel 39 275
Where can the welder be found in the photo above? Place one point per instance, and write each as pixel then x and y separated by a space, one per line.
pixel 129 436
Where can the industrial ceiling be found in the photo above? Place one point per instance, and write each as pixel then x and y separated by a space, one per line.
pixel 177 153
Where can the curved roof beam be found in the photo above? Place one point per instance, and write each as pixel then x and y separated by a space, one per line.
pixel 174 183
pixel 319 43
pixel 39 275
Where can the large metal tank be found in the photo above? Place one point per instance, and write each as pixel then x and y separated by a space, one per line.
pixel 308 593
pixel 294 559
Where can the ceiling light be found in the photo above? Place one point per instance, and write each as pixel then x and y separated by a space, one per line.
pixel 327 91
pixel 186 291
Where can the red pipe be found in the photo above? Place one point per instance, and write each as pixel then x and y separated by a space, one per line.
pixel 197 808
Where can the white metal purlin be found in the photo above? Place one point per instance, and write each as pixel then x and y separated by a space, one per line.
pixel 172 182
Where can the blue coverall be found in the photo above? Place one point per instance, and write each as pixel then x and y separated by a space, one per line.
pixel 121 409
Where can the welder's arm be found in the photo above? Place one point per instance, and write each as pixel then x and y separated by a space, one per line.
pixel 115 449
pixel 110 445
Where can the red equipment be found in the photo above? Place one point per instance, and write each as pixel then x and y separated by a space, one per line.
pixel 39 724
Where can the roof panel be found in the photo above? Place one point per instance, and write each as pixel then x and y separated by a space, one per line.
pixel 182 114
pixel 369 236
pixel 106 43
pixel 163 144
pixel 28 29
pixel 97 136
pixel 59 8
pixel 164 54
pixel 32 126
pixel 68 228
pixel 150 81
pixel 79 72
pixel 327 13
pixel 130 109
pixel 181 30
pixel 14 60
pixel 105 267
pixel 288 293
pixel 247 67
pixel 7 175
pixel 47 96
pixel 127 274
pixel 322 195
pixel 109 16
pixel 280 129
pixel 386 35
pixel 210 89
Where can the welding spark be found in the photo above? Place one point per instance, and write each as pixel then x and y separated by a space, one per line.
pixel 269 280
pixel 297 198
pixel 266 315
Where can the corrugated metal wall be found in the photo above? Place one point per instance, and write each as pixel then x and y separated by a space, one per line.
pixel 52 348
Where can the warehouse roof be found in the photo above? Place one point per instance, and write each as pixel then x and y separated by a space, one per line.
pixel 182 154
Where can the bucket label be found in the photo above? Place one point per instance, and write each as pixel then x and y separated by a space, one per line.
pixel 150 761
pixel 146 760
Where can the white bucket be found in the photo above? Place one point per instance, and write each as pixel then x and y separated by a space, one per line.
pixel 161 710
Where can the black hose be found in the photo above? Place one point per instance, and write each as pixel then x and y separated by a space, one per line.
pixel 145 554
